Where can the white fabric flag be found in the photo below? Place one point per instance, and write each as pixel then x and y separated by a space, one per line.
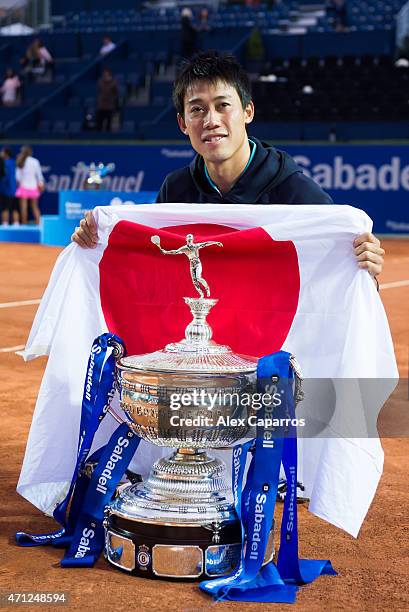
pixel 286 278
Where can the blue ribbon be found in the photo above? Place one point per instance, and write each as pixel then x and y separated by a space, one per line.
pixel 99 388
pixel 255 505
pixel 88 538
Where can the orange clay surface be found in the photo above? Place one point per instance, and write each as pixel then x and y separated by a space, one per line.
pixel 373 570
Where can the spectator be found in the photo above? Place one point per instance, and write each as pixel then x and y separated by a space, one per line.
pixel 107 46
pixel 252 3
pixel 107 100
pixel 188 39
pixel 30 56
pixel 9 88
pixel 37 58
pixel 338 9
pixel 30 184
pixel 8 201
pixel 204 20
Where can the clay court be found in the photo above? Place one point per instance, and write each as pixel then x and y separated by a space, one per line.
pixel 373 570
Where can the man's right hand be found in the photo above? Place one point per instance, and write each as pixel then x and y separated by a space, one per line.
pixel 86 233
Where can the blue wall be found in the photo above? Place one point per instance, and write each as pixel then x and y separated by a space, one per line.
pixel 372 177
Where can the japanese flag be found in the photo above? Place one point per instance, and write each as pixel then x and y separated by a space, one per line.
pixel 286 278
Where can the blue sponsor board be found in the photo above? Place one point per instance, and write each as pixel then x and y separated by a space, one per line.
pixel 138 167
pixel 372 177
pixel 73 204
pixel 56 230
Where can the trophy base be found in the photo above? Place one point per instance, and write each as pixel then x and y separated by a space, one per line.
pixel 174 552
pixel 178 524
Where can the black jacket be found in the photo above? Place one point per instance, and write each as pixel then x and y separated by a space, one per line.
pixel 273 177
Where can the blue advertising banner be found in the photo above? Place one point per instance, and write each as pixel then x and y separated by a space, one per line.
pixel 372 177
pixel 73 205
pixel 56 230
pixel 137 167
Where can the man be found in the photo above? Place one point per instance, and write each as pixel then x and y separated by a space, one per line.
pixel 188 33
pixel 212 96
pixel 8 186
pixel 107 100
pixel 107 46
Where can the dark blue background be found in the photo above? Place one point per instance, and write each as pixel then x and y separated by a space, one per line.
pixel 381 189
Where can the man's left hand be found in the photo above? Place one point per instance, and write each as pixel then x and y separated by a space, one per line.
pixel 369 253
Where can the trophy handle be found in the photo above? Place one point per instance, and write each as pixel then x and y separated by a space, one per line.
pixel 118 351
pixel 116 416
pixel 298 392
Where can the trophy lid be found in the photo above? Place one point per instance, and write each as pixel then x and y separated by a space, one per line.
pixel 191 362
pixel 197 352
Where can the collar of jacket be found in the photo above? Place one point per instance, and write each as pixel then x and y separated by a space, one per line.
pixel 269 168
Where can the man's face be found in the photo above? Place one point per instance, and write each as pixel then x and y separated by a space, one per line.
pixel 215 120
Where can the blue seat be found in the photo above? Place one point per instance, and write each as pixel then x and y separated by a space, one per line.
pixel 128 129
pixel 44 126
pixel 74 127
pixel 59 127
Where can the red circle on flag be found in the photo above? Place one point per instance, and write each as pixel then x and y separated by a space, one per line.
pixel 255 279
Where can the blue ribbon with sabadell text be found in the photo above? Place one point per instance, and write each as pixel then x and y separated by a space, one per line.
pixel 253 580
pixel 99 389
pixel 88 538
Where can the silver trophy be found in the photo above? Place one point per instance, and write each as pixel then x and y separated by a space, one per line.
pixel 181 522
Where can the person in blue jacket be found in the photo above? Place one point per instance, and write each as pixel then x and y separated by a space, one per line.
pixel 8 186
pixel 212 97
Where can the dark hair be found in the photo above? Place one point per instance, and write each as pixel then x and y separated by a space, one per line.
pixel 8 152
pixel 211 66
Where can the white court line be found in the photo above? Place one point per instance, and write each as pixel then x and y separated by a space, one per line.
pixel 402 283
pixel 22 303
pixel 12 349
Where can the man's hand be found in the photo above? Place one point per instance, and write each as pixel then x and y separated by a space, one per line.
pixel 86 234
pixel 369 253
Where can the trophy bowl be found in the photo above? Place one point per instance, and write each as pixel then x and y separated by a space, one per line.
pixel 149 390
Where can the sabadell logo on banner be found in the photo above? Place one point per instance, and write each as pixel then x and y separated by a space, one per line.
pixel 390 176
